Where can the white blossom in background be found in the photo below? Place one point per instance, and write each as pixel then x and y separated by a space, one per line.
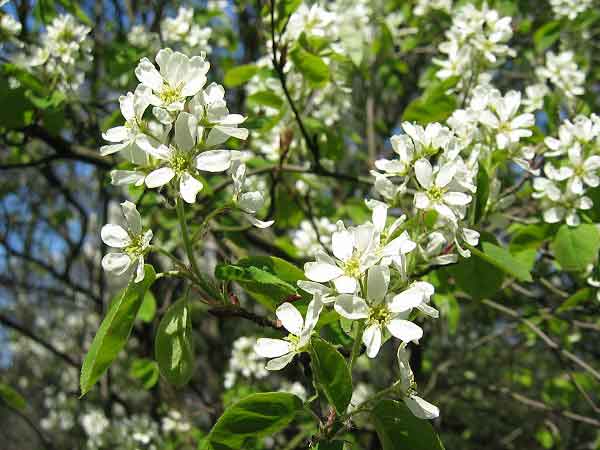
pixel 563 72
pixel 570 8
pixel 138 36
pixel 477 38
pixel 244 362
pixel 503 119
pixel 295 388
pixel 132 241
pixel 64 54
pixel 9 28
pixel 313 20
pixel 94 424
pixel 174 422
pixel 282 351
pixel 424 7
pixel 182 31
pixel 534 97
pixel 305 238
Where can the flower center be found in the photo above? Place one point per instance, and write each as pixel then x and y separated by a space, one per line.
pixel 169 94
pixel 379 315
pixel 136 248
pixel 179 163
pixel 435 193
pixel 352 267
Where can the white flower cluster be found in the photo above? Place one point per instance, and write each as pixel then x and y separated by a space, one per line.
pixel 9 27
pixel 493 122
pixel 562 71
pixel 305 239
pixel 179 32
pixel 563 188
pixel 185 135
pixel 476 41
pixel 446 186
pixel 175 422
pixel 65 53
pixel 424 7
pixel 570 8
pixel 244 361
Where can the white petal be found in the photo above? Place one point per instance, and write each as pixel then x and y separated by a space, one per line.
pixel 120 177
pixel 139 271
pixel 445 175
pixel 280 363
pixel 372 340
pixel 115 236
pixel 189 187
pixel 251 202
pixel 377 283
pixel 290 318
pixel 457 198
pixel 116 263
pixel 148 75
pixel 214 160
pixel 321 272
pixel 117 134
pixel 342 244
pixel 271 348
pixel 132 217
pixel 114 148
pixel 424 171
pixel 421 408
pixel 345 285
pixel 159 177
pixel 238 133
pixel 421 200
pixel 312 317
pixel 161 152
pixel 351 307
pixel 406 300
pixel 405 330
pixel 186 127
pixel 313 288
pixel 258 223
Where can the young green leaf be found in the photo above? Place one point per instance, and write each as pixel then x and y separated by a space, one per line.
pixel 173 345
pixel 239 75
pixel 11 397
pixel 398 429
pixel 576 247
pixel 146 371
pixel 148 308
pixel 312 67
pixel 251 418
pixel 114 330
pixel 503 260
pixel 332 372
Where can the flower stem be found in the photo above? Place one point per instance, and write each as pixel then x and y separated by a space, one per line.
pixel 357 343
pixel 186 237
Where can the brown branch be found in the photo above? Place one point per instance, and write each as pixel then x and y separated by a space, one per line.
pixel 226 312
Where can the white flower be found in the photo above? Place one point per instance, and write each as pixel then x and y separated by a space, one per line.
pixel 178 160
pixel 503 118
pixel 283 350
pixel 382 310
pixel 569 8
pixel 179 77
pixel 584 171
pixel 354 250
pixel 563 72
pixel 535 97
pixel 210 108
pixel 132 241
pixel 248 202
pixel 437 194
pixel 419 407
pixel 131 136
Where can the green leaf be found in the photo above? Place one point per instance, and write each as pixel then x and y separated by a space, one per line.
pixel 114 330
pixel 312 67
pixel 148 308
pixel 576 247
pixel 12 398
pixel 252 418
pixel 503 260
pixel 332 373
pixel 435 105
pixel 581 296
pixel 476 276
pixel 146 371
pixel 483 192
pixel 173 345
pixel 547 35
pixel 267 278
pixel 265 98
pixel 239 75
pixel 398 429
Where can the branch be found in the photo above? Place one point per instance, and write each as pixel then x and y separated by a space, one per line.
pixel 226 312
pixel 7 321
